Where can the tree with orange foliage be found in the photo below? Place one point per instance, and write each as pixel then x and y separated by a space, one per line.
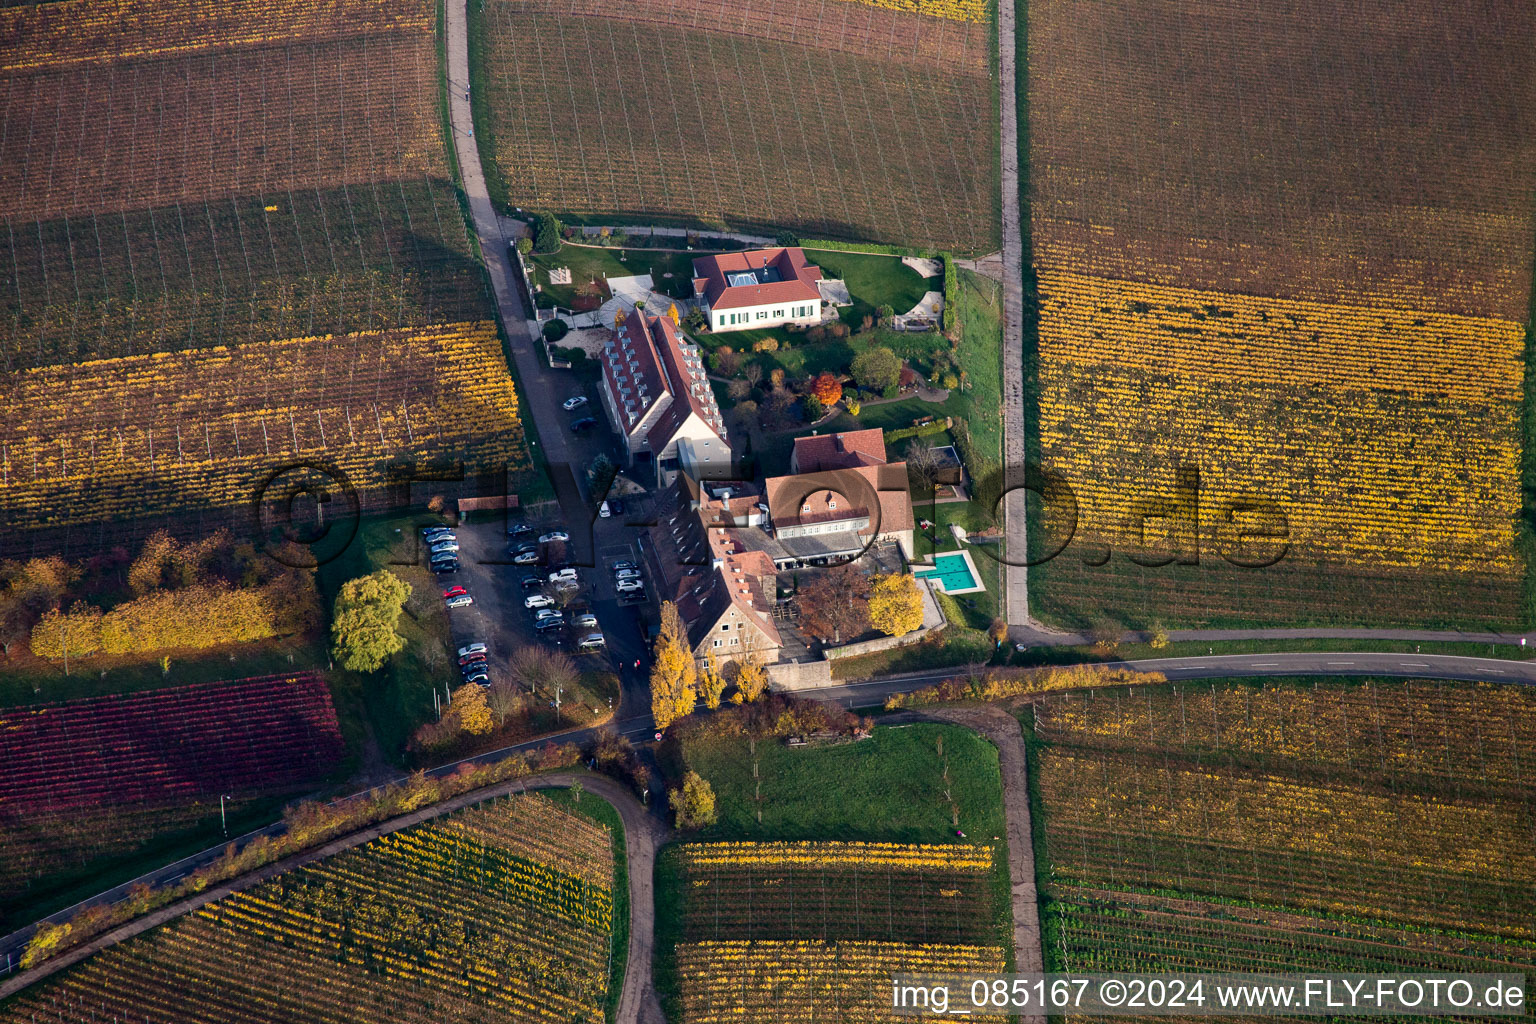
pixel 827 389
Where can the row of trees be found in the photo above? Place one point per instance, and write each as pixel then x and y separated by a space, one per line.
pixel 173 594
pixel 678 683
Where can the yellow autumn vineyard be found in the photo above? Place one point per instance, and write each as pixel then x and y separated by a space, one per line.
pixel 1118 819
pixel 960 857
pixel 1386 437
pixel 203 428
pixel 89 31
pixel 954 10
pixel 788 981
pixel 429 923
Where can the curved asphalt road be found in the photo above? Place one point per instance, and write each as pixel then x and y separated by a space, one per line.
pixel 873 692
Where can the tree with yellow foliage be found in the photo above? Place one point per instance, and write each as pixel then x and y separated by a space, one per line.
pixel 751 679
pixel 469 711
pixel 673 675
pixel 711 682
pixel 895 604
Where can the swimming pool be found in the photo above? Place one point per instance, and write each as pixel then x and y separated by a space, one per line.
pixel 953 571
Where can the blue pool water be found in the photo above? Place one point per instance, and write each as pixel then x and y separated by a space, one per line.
pixel 951 571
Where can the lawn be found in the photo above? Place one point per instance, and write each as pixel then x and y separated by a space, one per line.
pixel 889 787
pixel 399 698
pixel 979 608
pixel 590 264
pixel 873 281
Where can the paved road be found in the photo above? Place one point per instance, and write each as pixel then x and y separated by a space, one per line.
pixel 1037 635
pixel 1015 577
pixel 872 692
pixel 542 389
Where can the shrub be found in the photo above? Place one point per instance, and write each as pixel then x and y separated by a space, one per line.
pixel 816 334
pixel 838 330
pixel 766 345
pixel 1001 683
pixel 694 802
pixel 877 369
pixel 546 233
pixel 812 407
pixel 556 329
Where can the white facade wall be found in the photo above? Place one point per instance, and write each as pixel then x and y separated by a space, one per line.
pixel 805 312
pixel 693 428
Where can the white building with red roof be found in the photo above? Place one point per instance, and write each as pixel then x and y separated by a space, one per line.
pixel 656 392
pixel 740 291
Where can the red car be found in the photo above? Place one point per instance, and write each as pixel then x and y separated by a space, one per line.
pixel 454 592
pixel 468 658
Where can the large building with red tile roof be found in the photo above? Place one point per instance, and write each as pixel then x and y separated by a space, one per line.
pixel 740 291
pixel 657 393
pixel 838 451
pixel 724 589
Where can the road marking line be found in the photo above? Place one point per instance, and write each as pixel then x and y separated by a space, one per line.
pixel 1266 664
pixel 1341 663
pixel 1497 671
pixel 1197 666
pixel 1414 664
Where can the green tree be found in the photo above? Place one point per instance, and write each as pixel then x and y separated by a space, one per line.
pixel 525 245
pixel 363 625
pixel 694 802
pixel 546 233
pixel 876 369
pixel 895 604
pixel 814 410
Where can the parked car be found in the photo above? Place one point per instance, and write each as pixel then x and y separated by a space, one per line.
pixel 538 601
pixel 482 677
pixel 447 547
pixel 472 648
pixel 525 558
pixel 428 531
pixel 470 659
pixel 630 587
pixel 451 565
pixel 560 575
pixel 619 566
pixel 585 620
pixel 603 511
pixel 591 642
pixel 554 535
pixel 461 601
pixel 549 625
pixel 545 614
pixel 454 591
pixel 520 530
pixel 533 582
pixel 627 574
pixel 583 424
pixel 574 403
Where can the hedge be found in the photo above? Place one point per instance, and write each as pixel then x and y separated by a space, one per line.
pixel 902 433
pixel 951 294
pixel 869 247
